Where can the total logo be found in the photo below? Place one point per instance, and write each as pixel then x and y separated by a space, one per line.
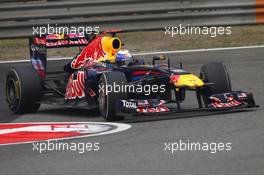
pixel 17 133
pixel 242 95
pixel 129 104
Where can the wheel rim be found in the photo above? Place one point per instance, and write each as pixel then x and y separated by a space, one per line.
pixel 12 98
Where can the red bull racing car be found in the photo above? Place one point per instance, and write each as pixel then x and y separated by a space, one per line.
pixel 106 76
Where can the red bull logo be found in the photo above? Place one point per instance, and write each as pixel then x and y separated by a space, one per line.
pixel 89 54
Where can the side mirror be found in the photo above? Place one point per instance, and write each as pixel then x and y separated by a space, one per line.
pixel 160 58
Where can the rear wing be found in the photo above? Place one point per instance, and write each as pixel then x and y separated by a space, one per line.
pixel 68 40
pixel 38 47
pixel 60 40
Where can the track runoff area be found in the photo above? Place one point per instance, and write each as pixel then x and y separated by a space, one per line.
pixel 83 141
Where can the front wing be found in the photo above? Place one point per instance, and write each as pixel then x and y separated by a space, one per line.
pixel 224 101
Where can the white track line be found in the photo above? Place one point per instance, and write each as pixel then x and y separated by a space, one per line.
pixel 202 50
pixel 154 53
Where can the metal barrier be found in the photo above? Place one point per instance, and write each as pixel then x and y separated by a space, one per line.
pixel 18 20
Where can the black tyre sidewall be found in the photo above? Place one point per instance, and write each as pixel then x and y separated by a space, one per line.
pixel 108 111
pixel 30 89
pixel 217 74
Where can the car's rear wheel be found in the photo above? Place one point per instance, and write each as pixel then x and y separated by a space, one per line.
pixel 23 90
pixel 217 74
pixel 108 97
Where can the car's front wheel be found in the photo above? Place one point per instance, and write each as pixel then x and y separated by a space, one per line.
pixel 216 74
pixel 108 96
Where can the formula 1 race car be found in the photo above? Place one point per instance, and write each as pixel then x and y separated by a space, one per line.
pixel 99 78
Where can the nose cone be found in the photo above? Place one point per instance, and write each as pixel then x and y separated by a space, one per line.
pixel 188 80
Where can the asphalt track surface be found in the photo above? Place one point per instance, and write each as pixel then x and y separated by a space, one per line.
pixel 140 150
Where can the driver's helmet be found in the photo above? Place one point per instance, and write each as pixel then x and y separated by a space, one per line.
pixel 123 57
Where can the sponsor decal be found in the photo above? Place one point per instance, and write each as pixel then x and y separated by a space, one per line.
pixel 227 103
pixel 66 42
pixel 157 109
pixel 143 106
pixel 143 103
pixel 75 87
pixel 39 67
pixel 242 95
pixel 39 41
pixel 174 78
pixel 129 104
pixel 59 41
pixel 146 72
pixel 18 133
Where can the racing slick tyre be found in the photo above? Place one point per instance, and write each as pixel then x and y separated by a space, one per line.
pixel 23 90
pixel 107 97
pixel 217 74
